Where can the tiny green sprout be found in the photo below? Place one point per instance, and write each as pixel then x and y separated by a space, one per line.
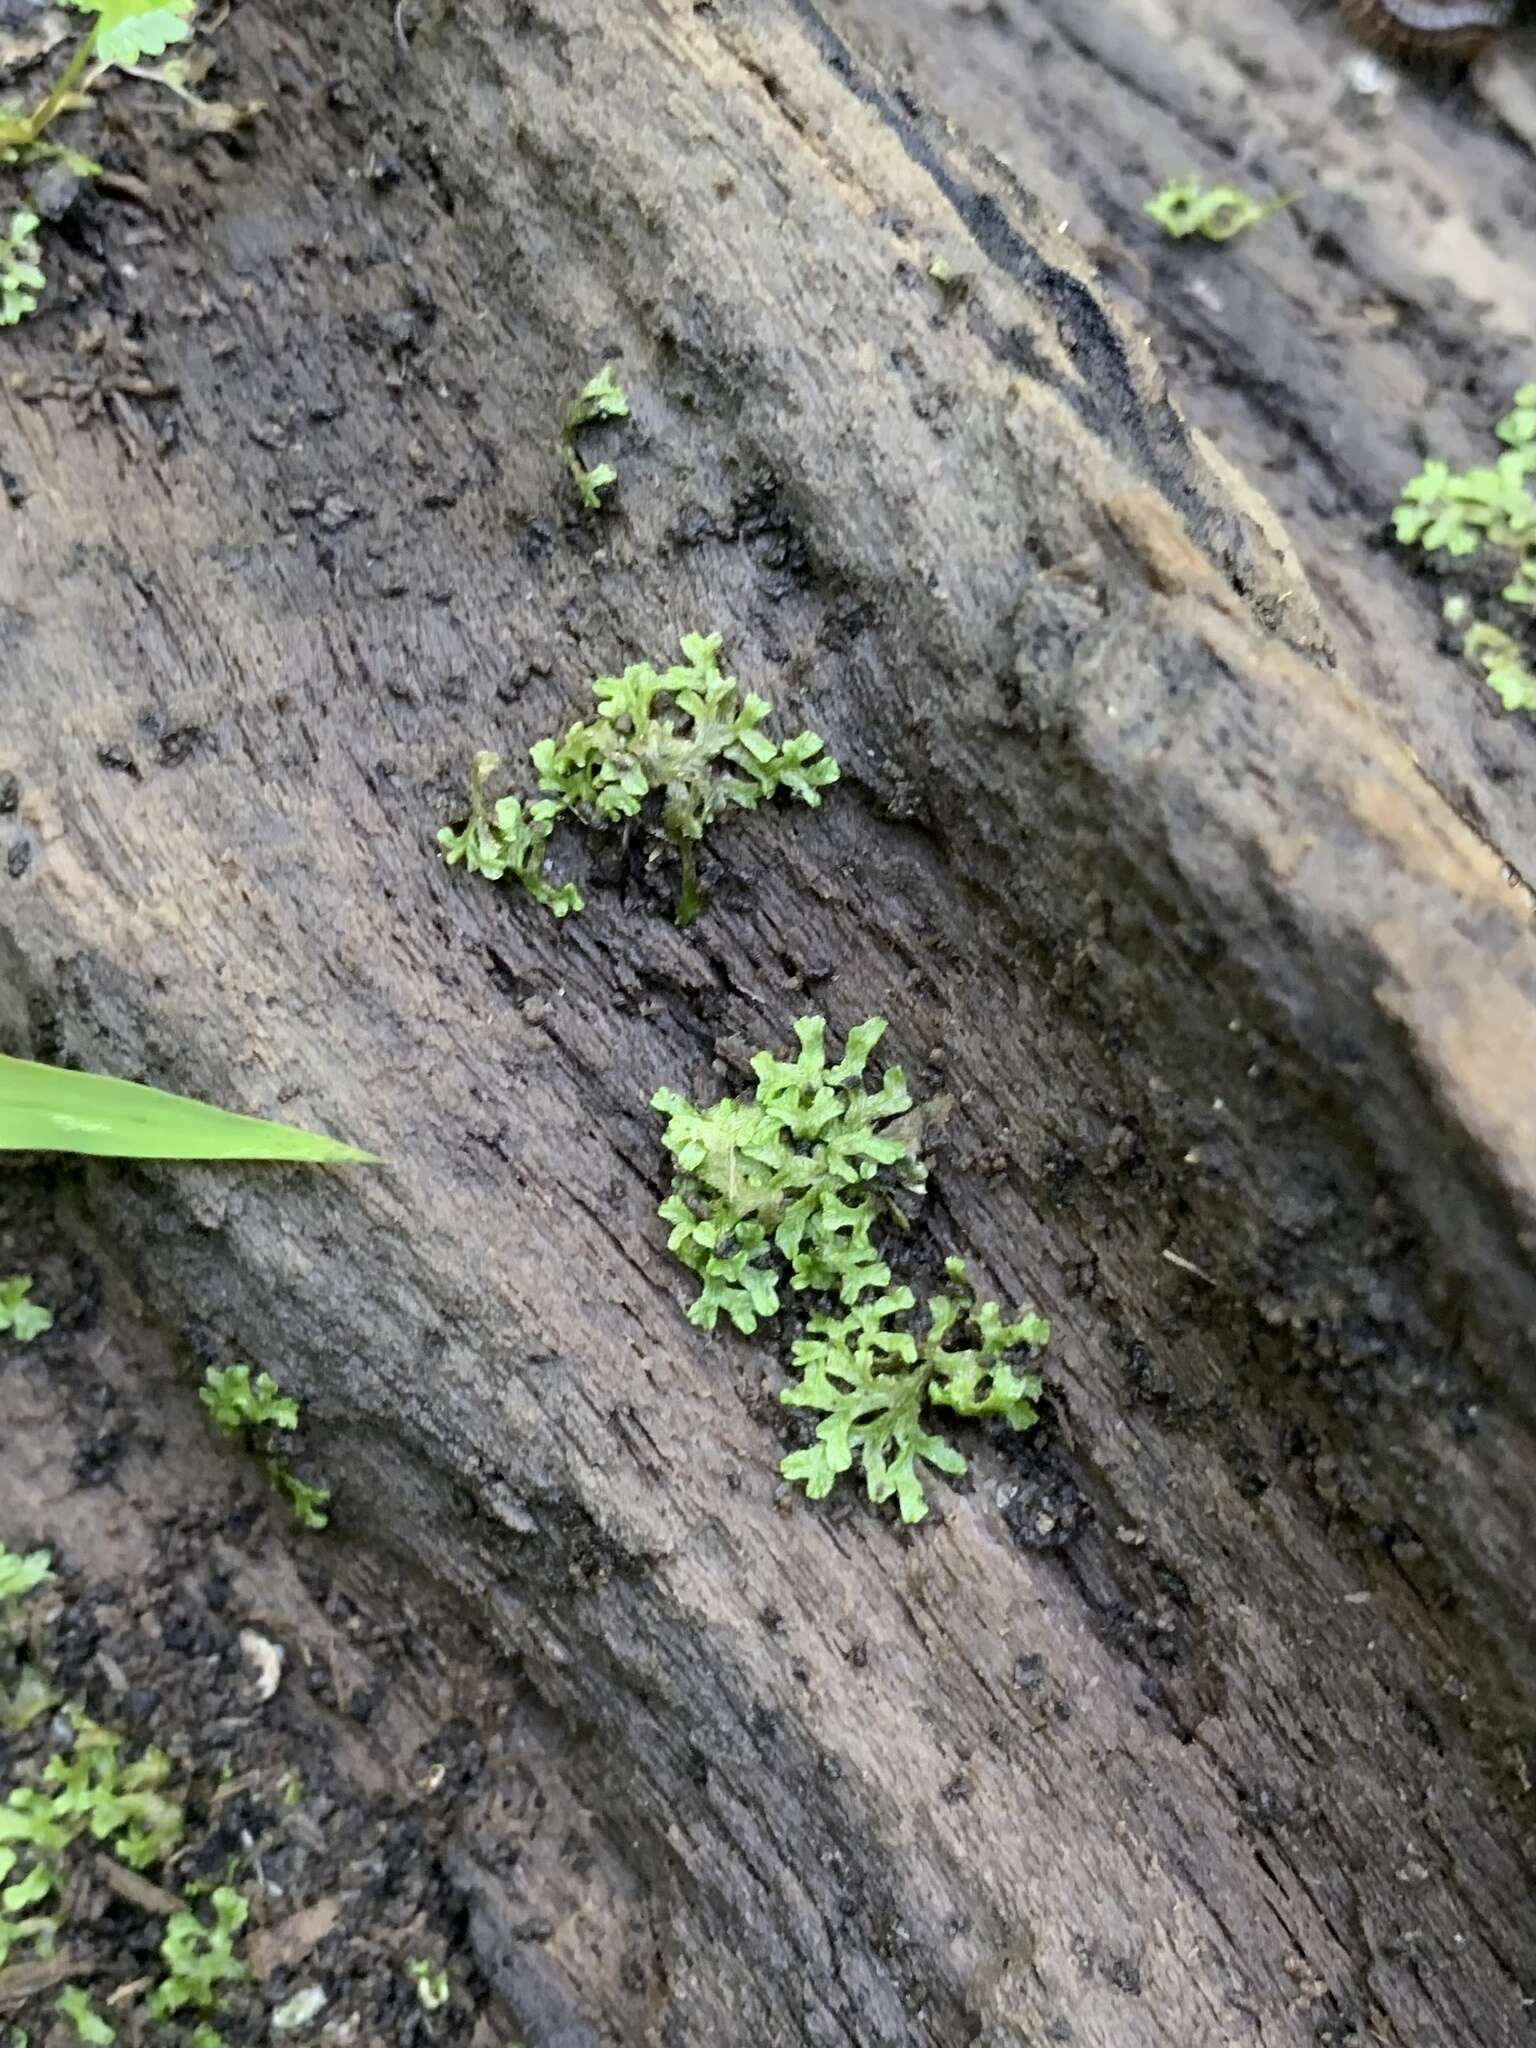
pixel 943 274
pixel 23 1319
pixel 240 1406
pixel 306 1503
pixel 293 1790
pixel 30 1889
pixel 591 483
pixel 797 1175
pixel 236 1402
pixel 206 2036
pixel 687 737
pixel 671 752
pixel 504 838
pixel 431 1984
pixel 1456 512
pixel 604 398
pixel 869 1379
pixel 74 2002
pixel 20 277
pixel 124 1804
pixel 1499 657
pixel 38 1930
pixel 88 1790
pixel 26 1701
pixel 37 1880
pixel 1459 514
pixel 20 1574
pixel 1518 426
pixel 199 1958
pixel 1185 206
pixel 17 1925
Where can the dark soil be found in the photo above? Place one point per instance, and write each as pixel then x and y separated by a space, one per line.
pixel 175 1572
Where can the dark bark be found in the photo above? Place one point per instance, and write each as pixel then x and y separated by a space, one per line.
pixel 1201 1716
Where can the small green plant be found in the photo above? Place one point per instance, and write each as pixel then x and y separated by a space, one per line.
pixel 1498 655
pixel 237 1402
pixel 25 1700
pixel 52 1109
pixel 501 838
pixel 604 398
pixel 20 1318
pixel 123 32
pixel 21 1574
pixel 244 1407
pixel 870 1379
pixel 87 1790
pixel 17 1924
pixel 200 1957
pixel 20 277
pixel 307 1504
pixel 24 1692
pixel 74 2003
pixel 431 1983
pixel 93 1789
pixel 1456 512
pixel 1186 206
pixel 798 1175
pixel 799 1180
pixel 1461 513
pixel 672 752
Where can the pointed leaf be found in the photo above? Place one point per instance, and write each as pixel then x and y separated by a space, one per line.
pixel 49 1109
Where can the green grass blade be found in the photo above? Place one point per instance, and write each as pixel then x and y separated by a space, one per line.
pixel 47 1109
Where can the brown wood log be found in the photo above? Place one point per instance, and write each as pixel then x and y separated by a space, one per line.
pixel 1202 1715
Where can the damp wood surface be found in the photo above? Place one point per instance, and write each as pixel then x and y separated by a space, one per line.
pixel 1168 840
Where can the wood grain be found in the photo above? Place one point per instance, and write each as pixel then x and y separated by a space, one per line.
pixel 1201 1716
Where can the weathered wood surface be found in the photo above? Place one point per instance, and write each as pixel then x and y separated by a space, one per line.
pixel 1202 1717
